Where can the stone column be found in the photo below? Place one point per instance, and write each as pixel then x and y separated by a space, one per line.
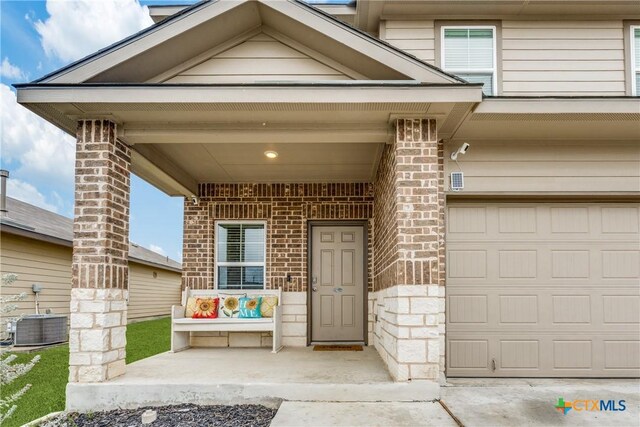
pixel 100 254
pixel 408 300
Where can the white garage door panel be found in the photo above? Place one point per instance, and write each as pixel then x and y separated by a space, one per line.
pixel 543 290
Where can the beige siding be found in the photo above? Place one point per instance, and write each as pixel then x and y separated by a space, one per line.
pixel 414 37
pixel 149 296
pixel 50 266
pixel 261 58
pixel 37 262
pixel 554 166
pixel 563 58
pixel 539 57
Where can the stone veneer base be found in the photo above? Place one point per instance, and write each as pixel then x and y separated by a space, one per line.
pixel 407 331
pixel 97 334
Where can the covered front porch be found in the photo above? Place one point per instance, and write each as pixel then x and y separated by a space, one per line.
pixel 283 123
pixel 249 375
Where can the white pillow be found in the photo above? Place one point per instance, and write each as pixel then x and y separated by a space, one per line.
pixel 229 305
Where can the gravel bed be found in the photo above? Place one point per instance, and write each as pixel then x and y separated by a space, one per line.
pixel 170 416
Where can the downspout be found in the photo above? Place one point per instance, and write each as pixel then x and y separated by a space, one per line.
pixel 4 174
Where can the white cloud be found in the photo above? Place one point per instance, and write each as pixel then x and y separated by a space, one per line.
pixel 28 193
pixel 76 28
pixel 44 152
pixel 157 249
pixel 10 71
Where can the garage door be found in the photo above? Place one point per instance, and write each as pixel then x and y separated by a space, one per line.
pixel 543 290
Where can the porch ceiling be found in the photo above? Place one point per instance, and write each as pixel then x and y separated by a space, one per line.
pixel 182 135
pixel 246 162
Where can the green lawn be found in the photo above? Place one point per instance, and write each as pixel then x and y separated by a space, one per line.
pixel 48 378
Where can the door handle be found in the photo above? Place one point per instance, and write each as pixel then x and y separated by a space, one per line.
pixel 314 289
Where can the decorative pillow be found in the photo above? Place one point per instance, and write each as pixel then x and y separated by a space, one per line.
pixel 250 307
pixel 206 308
pixel 230 305
pixel 191 307
pixel 266 307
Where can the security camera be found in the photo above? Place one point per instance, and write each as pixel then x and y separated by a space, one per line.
pixel 194 200
pixel 462 150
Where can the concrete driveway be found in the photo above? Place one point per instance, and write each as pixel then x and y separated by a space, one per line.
pixel 531 402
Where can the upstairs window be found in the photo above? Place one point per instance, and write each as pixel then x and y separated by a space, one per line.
pixel 470 53
pixel 240 255
pixel 635 60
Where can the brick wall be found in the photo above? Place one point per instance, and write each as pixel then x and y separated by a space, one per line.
pixel 286 208
pixel 386 221
pixel 101 214
pixel 418 202
pixel 409 214
pixel 197 244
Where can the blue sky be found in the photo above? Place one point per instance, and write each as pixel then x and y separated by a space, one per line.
pixel 36 38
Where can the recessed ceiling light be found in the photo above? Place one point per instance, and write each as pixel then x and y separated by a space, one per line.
pixel 271 154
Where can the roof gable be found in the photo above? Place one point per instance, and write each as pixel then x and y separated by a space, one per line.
pixel 213 27
pixel 261 58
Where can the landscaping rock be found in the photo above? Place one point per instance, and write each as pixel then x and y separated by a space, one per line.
pixel 149 416
pixel 171 416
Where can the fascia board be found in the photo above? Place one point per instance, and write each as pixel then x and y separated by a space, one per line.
pixel 345 94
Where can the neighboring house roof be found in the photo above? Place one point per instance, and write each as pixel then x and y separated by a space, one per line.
pixel 31 221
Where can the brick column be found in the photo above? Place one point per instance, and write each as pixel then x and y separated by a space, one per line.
pixel 408 301
pixel 100 254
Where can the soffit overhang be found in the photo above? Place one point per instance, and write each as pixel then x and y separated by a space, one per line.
pixel 570 118
pixel 197 29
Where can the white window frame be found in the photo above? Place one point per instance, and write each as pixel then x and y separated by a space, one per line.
pixel 494 71
pixel 634 70
pixel 217 264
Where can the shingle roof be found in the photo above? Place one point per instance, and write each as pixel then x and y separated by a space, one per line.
pixel 37 221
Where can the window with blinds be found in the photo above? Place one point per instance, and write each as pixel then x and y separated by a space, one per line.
pixel 470 53
pixel 240 255
pixel 635 60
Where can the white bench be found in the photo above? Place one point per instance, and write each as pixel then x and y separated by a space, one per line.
pixel 181 326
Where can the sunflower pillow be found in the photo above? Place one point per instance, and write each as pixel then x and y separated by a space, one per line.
pixel 229 305
pixel 250 307
pixel 206 308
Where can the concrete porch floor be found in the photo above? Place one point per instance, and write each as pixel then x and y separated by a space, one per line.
pixel 243 375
